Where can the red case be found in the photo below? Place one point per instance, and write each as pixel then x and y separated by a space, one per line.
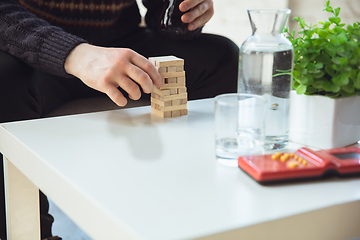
pixel 319 164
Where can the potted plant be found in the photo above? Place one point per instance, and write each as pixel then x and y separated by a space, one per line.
pixel 325 105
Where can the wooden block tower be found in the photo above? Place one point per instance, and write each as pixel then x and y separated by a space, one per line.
pixel 170 100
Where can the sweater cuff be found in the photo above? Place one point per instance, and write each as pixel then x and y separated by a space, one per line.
pixel 54 51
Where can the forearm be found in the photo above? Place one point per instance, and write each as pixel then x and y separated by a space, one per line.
pixel 33 40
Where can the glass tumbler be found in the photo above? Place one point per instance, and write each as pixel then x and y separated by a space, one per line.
pixel 239 126
pixel 170 20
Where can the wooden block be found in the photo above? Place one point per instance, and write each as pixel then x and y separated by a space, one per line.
pixel 161 113
pixel 157 106
pixel 181 90
pixel 176 113
pixel 155 102
pixel 172 74
pixel 161 105
pixel 175 102
pixel 167 114
pixel 161 92
pixel 179 68
pixel 154 95
pixel 182 101
pixel 169 97
pixel 173 91
pixel 160 108
pixel 180 80
pixel 174 108
pixel 171 69
pixel 171 85
pixel 161 69
pixel 166 61
pixel 172 80
pixel 165 92
pixel 183 112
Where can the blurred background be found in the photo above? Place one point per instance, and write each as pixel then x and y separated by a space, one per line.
pixel 231 18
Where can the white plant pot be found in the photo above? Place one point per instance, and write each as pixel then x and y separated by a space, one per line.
pixel 323 122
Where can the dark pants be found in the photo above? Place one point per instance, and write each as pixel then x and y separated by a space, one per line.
pixel 211 65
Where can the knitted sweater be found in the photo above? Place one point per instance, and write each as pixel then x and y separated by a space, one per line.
pixel 43 32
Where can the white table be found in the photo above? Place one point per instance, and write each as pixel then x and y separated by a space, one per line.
pixel 125 174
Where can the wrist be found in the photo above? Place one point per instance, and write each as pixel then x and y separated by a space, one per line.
pixel 74 58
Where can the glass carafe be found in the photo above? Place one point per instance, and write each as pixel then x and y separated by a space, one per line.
pixel 266 65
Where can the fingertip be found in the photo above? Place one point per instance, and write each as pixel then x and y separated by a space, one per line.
pixel 184 18
pixel 136 95
pixel 159 83
pixel 135 98
pixel 122 102
pixel 117 97
pixel 182 7
pixel 191 27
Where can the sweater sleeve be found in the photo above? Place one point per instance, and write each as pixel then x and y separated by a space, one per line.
pixel 33 40
pixel 153 15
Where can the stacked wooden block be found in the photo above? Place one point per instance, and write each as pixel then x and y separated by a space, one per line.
pixel 170 100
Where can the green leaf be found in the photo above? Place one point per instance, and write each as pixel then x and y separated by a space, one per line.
pixel 318 75
pixel 337 11
pixel 311 67
pixel 329 70
pixel 296 84
pixel 330 49
pixel 304 80
pixel 303 63
pixel 344 78
pixel 318 84
pixel 332 95
pixel 344 61
pixel 346 94
pixel 349 88
pixel 335 20
pixel 335 88
pixel 352 74
pixel 310 90
pixel 319 65
pixel 323 33
pixel 296 74
pixel 323 58
pixel 342 38
pixel 336 60
pixel 327 3
pixel 326 25
pixel 357 83
pixel 301 89
pixel 327 86
pixel 353 61
pixel 329 9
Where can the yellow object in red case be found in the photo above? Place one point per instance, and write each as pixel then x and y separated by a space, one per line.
pixel 303 164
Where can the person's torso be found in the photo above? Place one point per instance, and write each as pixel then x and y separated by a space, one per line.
pixel 86 17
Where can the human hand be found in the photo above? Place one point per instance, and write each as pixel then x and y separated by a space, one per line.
pixel 200 12
pixel 106 69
